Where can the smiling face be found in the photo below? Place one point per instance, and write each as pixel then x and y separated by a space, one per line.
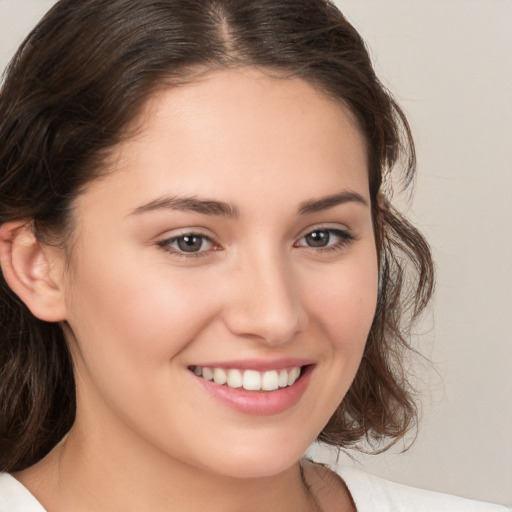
pixel 232 240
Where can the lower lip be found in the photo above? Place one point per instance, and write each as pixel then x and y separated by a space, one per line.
pixel 261 403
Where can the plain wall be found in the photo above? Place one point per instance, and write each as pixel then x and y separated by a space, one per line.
pixel 448 64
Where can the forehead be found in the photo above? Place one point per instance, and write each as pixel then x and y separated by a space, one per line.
pixel 241 131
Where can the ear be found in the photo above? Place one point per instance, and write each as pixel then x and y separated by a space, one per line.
pixel 33 271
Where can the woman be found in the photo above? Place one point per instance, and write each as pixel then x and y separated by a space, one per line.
pixel 202 273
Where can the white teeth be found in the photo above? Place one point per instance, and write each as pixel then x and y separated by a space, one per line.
pixel 235 379
pixel 219 376
pixel 293 375
pixel 270 381
pixel 251 380
pixel 283 379
pixel 207 373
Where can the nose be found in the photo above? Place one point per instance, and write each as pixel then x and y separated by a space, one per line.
pixel 265 303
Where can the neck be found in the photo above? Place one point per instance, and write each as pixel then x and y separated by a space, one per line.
pixel 100 473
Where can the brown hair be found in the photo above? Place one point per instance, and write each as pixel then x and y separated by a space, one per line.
pixel 69 93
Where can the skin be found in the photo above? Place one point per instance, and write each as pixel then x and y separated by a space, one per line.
pixel 138 312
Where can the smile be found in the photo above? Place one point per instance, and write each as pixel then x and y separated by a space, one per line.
pixel 250 380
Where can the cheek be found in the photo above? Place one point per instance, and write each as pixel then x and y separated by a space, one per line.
pixel 342 307
pixel 143 319
pixel 344 304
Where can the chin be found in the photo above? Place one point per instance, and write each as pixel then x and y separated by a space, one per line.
pixel 255 460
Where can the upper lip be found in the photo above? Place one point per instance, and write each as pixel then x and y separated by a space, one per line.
pixel 261 365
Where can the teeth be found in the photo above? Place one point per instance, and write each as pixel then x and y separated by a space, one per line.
pixel 235 379
pixel 207 373
pixel 270 381
pixel 250 380
pixel 219 376
pixel 293 375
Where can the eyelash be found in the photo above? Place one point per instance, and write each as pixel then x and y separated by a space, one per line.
pixel 345 238
pixel 166 245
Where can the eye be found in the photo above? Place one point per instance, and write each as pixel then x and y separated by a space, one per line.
pixel 325 239
pixel 188 244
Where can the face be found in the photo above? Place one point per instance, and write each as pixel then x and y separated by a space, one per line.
pixel 231 240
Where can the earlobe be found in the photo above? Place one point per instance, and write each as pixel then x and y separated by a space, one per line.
pixel 32 271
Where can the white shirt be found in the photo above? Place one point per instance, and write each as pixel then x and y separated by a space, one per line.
pixel 373 494
pixel 370 494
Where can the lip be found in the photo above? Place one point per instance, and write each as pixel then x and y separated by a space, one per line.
pixel 259 365
pixel 260 403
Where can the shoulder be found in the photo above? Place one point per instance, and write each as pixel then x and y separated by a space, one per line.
pixel 372 493
pixel 14 497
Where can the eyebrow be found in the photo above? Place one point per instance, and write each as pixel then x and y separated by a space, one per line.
pixel 324 203
pixel 189 204
pixel 220 208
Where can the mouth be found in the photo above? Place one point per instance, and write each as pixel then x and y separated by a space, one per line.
pixel 250 379
pixel 255 387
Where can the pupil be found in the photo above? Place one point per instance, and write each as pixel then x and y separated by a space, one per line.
pixel 190 243
pixel 318 238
